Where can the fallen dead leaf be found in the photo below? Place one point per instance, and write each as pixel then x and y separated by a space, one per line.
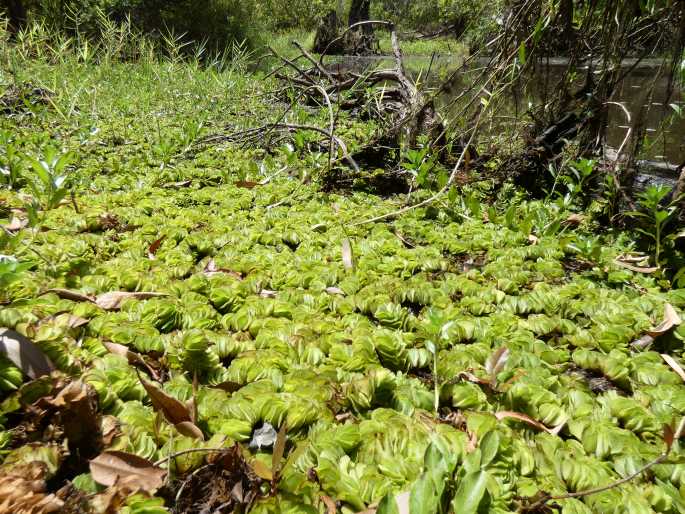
pixel 530 421
pixel 674 365
pixel 173 410
pixel 496 362
pixel 532 239
pixel 671 319
pixel 177 185
pixel 212 269
pixel 247 184
pixel 329 503
pixel 152 250
pixel 24 354
pixel 110 467
pixel 112 301
pixel 189 429
pixel 66 294
pixel 347 254
pixel 575 219
pixel 636 269
pixel 16 224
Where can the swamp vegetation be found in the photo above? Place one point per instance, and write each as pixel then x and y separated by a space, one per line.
pixel 270 280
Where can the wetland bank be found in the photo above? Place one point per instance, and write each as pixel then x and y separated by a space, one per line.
pixel 431 281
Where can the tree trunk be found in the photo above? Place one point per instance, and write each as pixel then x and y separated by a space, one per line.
pixel 679 193
pixel 16 14
pixel 360 11
pixel 361 40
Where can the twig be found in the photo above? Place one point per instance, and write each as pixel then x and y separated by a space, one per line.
pixel 187 451
pixel 661 458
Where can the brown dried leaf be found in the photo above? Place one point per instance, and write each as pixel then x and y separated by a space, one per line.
pixel 262 470
pixel 110 428
pixel 329 503
pixel 279 449
pixel 674 365
pixel 21 494
pixel 228 386
pixel 246 184
pixel 152 250
pixel 497 361
pixel 528 420
pixel 112 301
pixel 16 224
pixel 110 467
pixel 347 254
pixel 532 239
pixel 189 429
pixel 636 269
pixel 24 354
pixel 671 319
pixel 177 185
pixel 212 269
pixel 174 411
pixel 575 219
pixel 66 294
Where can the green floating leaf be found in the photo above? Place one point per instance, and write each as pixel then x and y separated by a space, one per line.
pixel 470 493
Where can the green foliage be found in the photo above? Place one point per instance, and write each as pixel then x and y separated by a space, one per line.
pixel 657 217
pixel 391 375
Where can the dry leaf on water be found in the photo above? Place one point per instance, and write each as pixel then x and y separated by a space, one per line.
pixel 636 269
pixel 529 421
pixel 24 354
pixel 329 503
pixel 112 301
pixel 496 362
pixel 674 365
pixel 113 467
pixel 16 224
pixel 671 319
pixel 189 429
pixel 347 254
pixel 247 184
pixel 152 250
pixel 175 412
pixel 212 269
pixel 66 294
pixel 25 493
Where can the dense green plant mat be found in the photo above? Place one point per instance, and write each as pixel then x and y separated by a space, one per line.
pixel 273 307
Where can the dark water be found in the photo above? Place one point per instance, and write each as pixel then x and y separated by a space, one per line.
pixel 664 147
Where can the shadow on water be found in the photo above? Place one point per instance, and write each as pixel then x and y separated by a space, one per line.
pixel 664 146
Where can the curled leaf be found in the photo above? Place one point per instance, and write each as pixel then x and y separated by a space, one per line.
pixel 191 430
pixel 112 301
pixel 173 410
pixel 671 319
pixel 347 255
pixel 529 421
pixel 67 294
pixel 24 354
pixel 111 467
pixel 636 269
pixel 152 250
pixel 674 365
pixel 496 362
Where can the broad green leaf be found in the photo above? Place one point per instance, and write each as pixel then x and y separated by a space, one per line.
pixel 470 493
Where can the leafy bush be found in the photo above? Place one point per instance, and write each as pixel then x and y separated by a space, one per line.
pixel 218 23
